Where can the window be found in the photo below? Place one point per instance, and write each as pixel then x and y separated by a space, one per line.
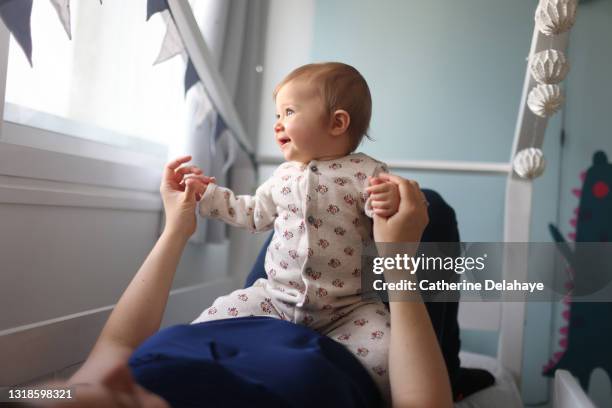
pixel 102 84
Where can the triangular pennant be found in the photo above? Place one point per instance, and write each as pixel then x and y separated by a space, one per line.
pixel 217 130
pixel 231 149
pixel 202 106
pixel 211 136
pixel 155 6
pixel 172 44
pixel 63 12
pixel 191 76
pixel 220 127
pixel 16 16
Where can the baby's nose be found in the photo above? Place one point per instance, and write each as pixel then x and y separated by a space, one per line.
pixel 278 126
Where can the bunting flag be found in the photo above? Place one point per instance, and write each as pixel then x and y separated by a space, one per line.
pixel 16 16
pixel 63 12
pixel 172 44
pixel 156 6
pixel 191 76
pixel 218 129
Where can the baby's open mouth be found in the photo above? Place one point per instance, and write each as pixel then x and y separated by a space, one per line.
pixel 283 140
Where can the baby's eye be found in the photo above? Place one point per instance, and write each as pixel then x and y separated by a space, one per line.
pixel 289 112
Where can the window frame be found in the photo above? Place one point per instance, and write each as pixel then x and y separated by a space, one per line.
pixel 61 169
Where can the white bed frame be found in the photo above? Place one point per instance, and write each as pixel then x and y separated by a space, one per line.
pixel 508 318
pixel 568 393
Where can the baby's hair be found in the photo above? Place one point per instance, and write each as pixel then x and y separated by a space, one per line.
pixel 341 86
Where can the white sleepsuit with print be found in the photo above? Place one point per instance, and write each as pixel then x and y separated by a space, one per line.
pixel 313 264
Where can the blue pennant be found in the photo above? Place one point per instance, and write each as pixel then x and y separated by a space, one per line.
pixel 191 76
pixel 155 6
pixel 220 127
pixel 16 16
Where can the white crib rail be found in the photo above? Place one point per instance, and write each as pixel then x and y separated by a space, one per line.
pixel 568 393
pixel 517 214
pixel 452 166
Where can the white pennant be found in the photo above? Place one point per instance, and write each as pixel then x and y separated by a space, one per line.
pixel 172 44
pixel 63 12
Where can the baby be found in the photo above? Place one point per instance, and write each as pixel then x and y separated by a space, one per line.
pixel 320 207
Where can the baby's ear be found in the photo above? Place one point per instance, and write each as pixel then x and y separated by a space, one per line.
pixel 340 122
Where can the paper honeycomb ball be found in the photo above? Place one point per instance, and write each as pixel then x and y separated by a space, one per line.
pixel 553 17
pixel 545 100
pixel 549 67
pixel 529 163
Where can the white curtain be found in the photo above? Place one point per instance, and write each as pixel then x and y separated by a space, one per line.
pixel 232 30
pixel 104 76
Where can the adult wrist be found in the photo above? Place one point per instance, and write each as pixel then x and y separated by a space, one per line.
pixel 175 233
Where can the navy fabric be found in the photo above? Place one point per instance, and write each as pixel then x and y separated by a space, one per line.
pixel 251 361
pixel 442 227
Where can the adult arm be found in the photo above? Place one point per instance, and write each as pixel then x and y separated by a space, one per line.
pixel 417 371
pixel 139 312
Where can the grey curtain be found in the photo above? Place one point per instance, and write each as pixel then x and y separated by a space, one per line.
pixel 233 30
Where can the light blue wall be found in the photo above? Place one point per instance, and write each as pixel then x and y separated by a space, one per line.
pixel 430 65
pixel 446 78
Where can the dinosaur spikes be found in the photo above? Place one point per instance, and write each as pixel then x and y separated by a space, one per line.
pixel 583 175
pixel 564 330
pixel 566 314
pixel 557 356
pixel 567 300
pixel 573 222
pixel 577 192
pixel 576 210
pixel 572 235
pixel 563 343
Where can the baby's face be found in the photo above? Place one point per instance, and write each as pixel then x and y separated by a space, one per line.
pixel 301 127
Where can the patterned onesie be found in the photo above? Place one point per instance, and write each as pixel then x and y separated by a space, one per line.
pixel 320 215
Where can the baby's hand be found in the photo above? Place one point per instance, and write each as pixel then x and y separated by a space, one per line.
pixel 200 182
pixel 384 197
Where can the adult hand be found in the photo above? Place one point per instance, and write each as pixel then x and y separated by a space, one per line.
pixel 181 187
pixel 417 372
pixel 408 224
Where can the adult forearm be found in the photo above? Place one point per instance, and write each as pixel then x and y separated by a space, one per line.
pixel 417 371
pixel 139 312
